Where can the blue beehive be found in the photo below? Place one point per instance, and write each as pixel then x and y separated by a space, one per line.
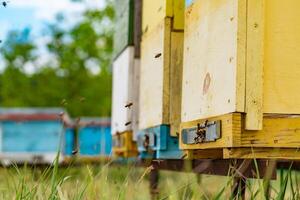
pixel 69 141
pixel 156 143
pixel 95 137
pixel 31 135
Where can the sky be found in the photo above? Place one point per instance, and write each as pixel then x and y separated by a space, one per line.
pixel 33 14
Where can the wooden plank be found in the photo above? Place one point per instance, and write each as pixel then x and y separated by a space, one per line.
pixel 204 154
pixel 155 76
pixel 212 68
pixel 176 82
pixel 124 24
pixel 122 87
pixel 178 12
pixel 278 131
pixel 124 146
pixel 241 55
pixel 137 27
pixel 254 69
pixel 154 11
pixel 135 98
pixel 231 129
pixel 262 153
pixel 281 57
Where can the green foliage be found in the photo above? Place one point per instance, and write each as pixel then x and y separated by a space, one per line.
pixel 77 74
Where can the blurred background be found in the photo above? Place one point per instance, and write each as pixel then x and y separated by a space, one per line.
pixel 57 54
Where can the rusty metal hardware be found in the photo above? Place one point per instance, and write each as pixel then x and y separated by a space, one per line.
pixel 208 131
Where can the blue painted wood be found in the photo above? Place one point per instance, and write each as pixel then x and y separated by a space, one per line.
pixel 161 144
pixel 95 141
pixel 69 141
pixel 31 136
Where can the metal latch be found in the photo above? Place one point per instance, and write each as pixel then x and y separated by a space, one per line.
pixel 118 141
pixel 208 131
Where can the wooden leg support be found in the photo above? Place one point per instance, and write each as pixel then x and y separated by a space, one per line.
pixel 154 180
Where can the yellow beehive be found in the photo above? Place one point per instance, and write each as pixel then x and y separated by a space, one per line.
pixel 124 146
pixel 154 11
pixel 161 66
pixel 241 63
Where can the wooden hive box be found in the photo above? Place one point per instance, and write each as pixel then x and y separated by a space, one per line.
pixel 94 137
pixel 126 72
pixel 31 135
pixel 124 25
pixel 126 66
pixel 161 66
pixel 156 10
pixel 241 63
pixel 122 91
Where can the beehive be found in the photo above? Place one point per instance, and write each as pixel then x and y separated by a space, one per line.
pixel 234 62
pixel 124 146
pixel 155 11
pixel 124 25
pixel 157 143
pixel 94 137
pixel 161 66
pixel 241 68
pixel 31 135
pixel 122 91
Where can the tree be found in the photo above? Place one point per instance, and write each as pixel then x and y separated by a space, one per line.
pixel 80 76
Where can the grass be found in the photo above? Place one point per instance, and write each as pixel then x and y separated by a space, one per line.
pixel 104 181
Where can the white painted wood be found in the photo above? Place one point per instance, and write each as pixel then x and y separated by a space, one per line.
pixel 123 75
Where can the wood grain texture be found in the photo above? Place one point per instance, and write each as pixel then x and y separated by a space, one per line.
pixel 262 153
pixel 214 59
pixel 254 69
pixel 278 131
pixel 176 81
pixel 155 76
pixel 122 90
pixel 204 154
pixel 281 57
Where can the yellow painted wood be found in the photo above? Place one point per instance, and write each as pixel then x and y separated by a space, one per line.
pixel 214 59
pixel 241 56
pixel 278 131
pixel 160 78
pixel 254 69
pixel 176 81
pixel 231 129
pixel 154 77
pixel 127 148
pixel 262 153
pixel 281 57
pixel 154 11
pixel 204 154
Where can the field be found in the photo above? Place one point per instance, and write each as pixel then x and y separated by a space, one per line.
pixel 106 182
